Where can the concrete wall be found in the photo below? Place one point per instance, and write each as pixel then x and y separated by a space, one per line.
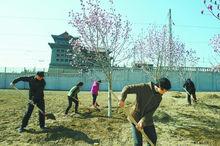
pixel 204 80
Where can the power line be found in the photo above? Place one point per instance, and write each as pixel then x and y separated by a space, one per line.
pixel 34 18
pixel 27 35
pixel 197 26
pixel 135 23
pixel 185 26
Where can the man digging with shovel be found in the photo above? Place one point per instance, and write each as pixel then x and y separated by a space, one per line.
pixel 190 89
pixel 148 98
pixel 36 97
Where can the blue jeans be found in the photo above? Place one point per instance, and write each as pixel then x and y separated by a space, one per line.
pixel 137 136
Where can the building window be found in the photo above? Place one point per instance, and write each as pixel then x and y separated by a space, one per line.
pixel 66 60
pixel 58 55
pixel 62 50
pixel 61 60
pixel 58 50
pixel 57 60
pixel 62 54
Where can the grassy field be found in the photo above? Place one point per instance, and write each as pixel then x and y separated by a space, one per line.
pixel 176 122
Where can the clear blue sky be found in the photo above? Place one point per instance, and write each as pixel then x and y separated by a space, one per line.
pixel 26 26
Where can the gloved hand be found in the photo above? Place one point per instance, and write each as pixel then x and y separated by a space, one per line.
pixel 33 100
pixel 12 84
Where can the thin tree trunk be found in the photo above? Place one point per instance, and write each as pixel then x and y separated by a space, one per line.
pixel 109 95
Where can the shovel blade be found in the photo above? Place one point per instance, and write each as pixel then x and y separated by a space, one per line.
pixel 50 116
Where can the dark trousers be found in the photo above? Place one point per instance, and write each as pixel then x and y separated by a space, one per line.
pixel 39 103
pixel 137 136
pixel 70 101
pixel 189 97
pixel 94 97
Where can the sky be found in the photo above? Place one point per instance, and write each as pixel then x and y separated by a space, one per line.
pixel 26 26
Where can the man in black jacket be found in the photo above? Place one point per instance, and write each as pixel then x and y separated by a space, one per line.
pixel 36 95
pixel 190 90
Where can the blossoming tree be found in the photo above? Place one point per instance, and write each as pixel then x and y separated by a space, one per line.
pixel 213 7
pixel 154 49
pixel 103 33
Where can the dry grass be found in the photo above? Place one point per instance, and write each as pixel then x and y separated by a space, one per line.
pixel 176 122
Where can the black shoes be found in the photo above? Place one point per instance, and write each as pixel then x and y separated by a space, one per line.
pixel 76 112
pixel 21 129
pixel 96 104
pixel 44 128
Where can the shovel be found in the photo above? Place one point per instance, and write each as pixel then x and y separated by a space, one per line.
pixel 47 115
pixel 131 118
pixel 187 92
pixel 190 95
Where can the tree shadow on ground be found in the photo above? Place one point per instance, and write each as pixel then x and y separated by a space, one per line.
pixel 59 132
pixel 100 114
pixel 211 107
pixel 90 115
pixel 215 107
pixel 209 121
pixel 197 127
pixel 205 135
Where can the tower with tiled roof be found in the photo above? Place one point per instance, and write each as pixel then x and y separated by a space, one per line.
pixel 59 58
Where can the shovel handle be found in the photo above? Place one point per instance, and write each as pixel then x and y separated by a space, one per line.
pixel 132 120
pixel 30 101
pixel 187 92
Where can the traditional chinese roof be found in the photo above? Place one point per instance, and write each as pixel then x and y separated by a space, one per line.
pixel 62 41
pixel 64 36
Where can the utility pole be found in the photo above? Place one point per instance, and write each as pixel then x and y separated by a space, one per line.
pixel 134 56
pixel 170 38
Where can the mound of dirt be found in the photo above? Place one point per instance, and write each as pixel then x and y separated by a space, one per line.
pixel 162 117
pixel 214 96
pixel 210 95
pixel 178 95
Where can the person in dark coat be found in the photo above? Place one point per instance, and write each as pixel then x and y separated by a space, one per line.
pixel 36 96
pixel 190 89
pixel 148 98
pixel 73 97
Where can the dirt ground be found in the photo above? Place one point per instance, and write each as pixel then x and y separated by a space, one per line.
pixel 176 122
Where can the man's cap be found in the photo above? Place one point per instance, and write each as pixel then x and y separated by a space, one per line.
pixel 40 73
